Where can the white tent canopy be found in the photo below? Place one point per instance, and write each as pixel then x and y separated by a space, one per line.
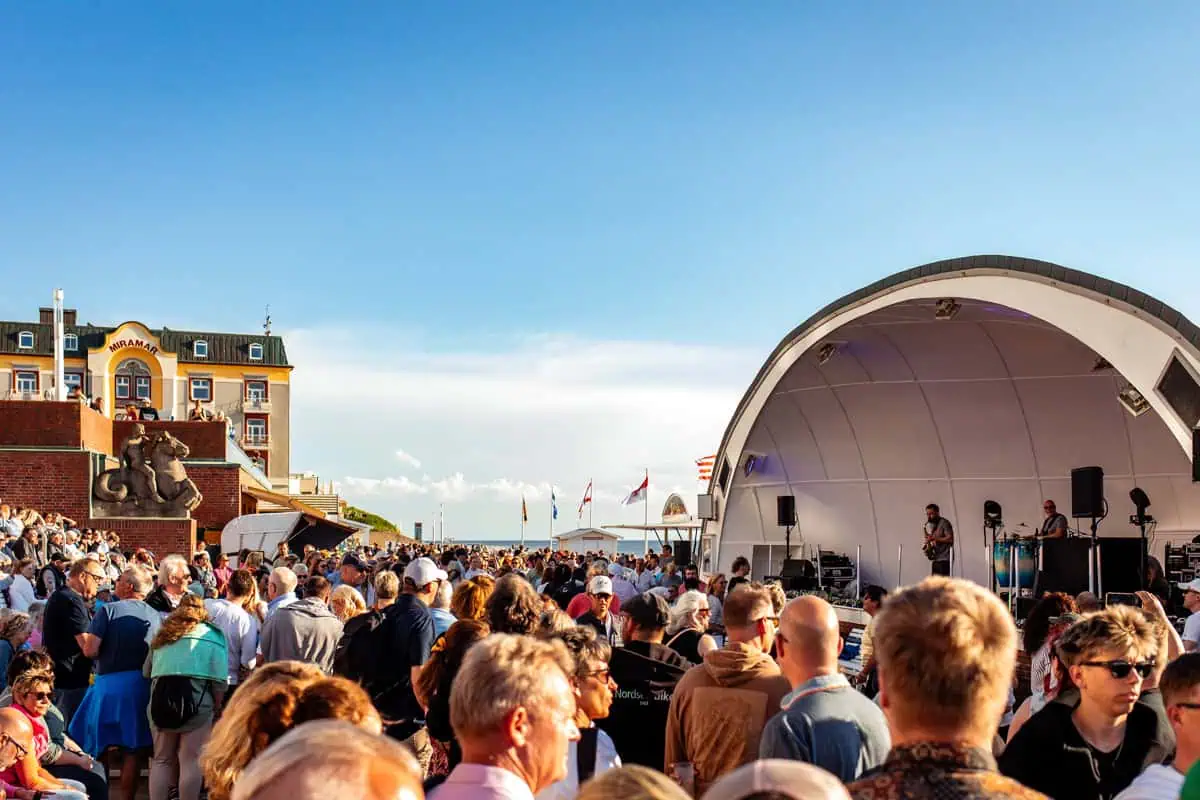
pixel 875 407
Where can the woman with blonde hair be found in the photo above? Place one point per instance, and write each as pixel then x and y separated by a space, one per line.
pixel 686 631
pixel 188 667
pixel 470 598
pixel 716 599
pixel 259 713
pixel 346 603
pixel 631 782
pixel 14 632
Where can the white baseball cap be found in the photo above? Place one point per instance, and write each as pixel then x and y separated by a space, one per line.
pixel 423 572
pixel 1191 586
pixel 601 584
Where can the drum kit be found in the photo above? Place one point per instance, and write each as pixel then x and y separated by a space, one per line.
pixel 1017 561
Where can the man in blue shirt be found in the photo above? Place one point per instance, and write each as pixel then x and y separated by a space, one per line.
pixel 824 720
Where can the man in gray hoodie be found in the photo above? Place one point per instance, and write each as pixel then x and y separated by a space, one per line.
pixel 304 631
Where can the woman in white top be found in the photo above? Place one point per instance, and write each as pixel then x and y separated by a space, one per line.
pixel 716 600
pixel 594 752
pixel 21 593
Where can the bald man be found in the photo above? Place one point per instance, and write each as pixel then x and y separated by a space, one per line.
pixel 823 721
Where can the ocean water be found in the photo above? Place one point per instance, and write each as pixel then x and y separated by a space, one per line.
pixel 630 546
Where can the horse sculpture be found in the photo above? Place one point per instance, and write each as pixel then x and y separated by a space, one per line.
pixel 151 481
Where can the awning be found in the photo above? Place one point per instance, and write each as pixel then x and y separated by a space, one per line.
pixel 283 500
pixel 322 534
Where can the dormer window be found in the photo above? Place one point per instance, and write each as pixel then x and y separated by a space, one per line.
pixel 70 342
pixel 25 340
pixel 256 352
pixel 200 349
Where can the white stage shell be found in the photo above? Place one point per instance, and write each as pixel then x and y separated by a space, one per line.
pixel 998 403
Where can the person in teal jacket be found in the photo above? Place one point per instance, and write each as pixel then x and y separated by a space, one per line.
pixel 188 647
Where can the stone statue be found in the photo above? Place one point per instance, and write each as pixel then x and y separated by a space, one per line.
pixel 151 481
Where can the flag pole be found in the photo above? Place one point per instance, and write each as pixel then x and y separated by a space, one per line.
pixel 524 519
pixel 646 516
pixel 590 502
pixel 552 510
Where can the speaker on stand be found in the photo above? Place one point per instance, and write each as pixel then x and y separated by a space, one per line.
pixel 785 511
pixel 1087 502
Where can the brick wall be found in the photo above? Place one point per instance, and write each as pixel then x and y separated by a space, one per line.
pixel 221 487
pixel 47 480
pixel 36 423
pixel 204 439
pixel 96 431
pixel 159 536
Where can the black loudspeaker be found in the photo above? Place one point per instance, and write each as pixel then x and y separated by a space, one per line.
pixel 1087 492
pixel 785 505
pixel 1196 454
pixel 683 553
pixel 1065 565
pixel 1121 559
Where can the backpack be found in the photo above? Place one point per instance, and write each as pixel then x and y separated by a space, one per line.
pixel 585 753
pixel 173 703
pixel 357 657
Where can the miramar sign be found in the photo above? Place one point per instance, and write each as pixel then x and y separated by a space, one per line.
pixel 121 344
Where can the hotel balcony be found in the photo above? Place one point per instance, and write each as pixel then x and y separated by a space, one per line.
pixel 255 441
pixel 256 405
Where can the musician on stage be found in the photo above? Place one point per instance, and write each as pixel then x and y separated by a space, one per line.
pixel 1054 526
pixel 939 538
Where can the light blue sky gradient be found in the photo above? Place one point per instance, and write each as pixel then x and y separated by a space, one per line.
pixel 465 175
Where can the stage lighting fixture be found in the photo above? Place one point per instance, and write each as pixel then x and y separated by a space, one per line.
pixel 947 308
pixel 826 352
pixel 1133 400
pixel 1140 502
pixel 992 514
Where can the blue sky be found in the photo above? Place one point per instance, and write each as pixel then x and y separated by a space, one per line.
pixel 533 189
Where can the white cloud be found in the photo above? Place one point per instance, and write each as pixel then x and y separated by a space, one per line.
pixel 543 411
pixel 408 458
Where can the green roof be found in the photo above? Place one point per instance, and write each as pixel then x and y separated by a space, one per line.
pixel 223 348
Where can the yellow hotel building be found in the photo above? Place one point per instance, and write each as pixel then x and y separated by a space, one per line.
pixel 245 376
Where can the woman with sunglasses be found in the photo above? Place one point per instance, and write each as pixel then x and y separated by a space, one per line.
pixel 64 758
pixel 1093 747
pixel 32 694
pixel 594 752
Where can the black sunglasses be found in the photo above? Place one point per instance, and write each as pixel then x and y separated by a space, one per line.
pixel 1121 669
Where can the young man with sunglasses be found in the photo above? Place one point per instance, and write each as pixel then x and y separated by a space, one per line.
pixel 1180 686
pixel 1093 749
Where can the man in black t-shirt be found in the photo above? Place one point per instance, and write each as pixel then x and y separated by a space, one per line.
pixel 405 644
pixel 66 621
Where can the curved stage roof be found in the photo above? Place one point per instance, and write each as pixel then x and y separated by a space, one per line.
pixel 874 407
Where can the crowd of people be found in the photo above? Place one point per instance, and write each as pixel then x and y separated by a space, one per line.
pixel 457 673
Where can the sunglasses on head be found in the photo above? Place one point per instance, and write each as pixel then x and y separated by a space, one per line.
pixel 1121 669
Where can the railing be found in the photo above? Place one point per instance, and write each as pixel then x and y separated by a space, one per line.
pixel 259 405
pixel 14 394
pixel 256 440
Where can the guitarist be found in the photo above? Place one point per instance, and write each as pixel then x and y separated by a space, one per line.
pixel 939 538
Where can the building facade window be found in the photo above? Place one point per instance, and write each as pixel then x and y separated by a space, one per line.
pixel 200 349
pixel 70 342
pixel 256 431
pixel 132 378
pixel 25 340
pixel 256 392
pixel 73 380
pixel 25 382
pixel 260 461
pixel 256 352
pixel 201 389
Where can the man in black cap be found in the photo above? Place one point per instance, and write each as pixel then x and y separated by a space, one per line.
pixel 53 576
pixel 646 672
pixel 355 573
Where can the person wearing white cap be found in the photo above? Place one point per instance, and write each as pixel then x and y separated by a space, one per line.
pixel 1191 601
pixel 406 644
pixel 600 594
pixel 778 778
pixel 622 587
